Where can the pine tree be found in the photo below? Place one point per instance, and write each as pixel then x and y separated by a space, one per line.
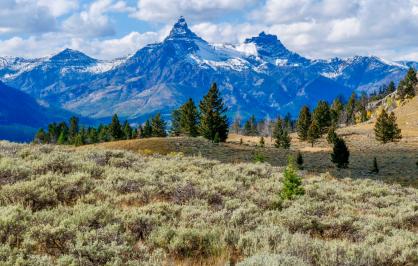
pixel 175 123
pixel 41 137
pixel 314 133
pixel 407 86
pixel 278 133
pixel 341 154
pixel 127 130
pixel 336 111
pixel 331 136
pixel 386 130
pixel 216 139
pixel 288 124
pixel 286 140
pixel 73 130
pixel 292 183
pixel 53 132
pixel 147 130
pixel 299 160
pixel 322 115
pixel 375 168
pixel 64 131
pixel 103 133
pixel 189 119
pixel 250 127
pixel 390 88
pixel 213 115
pixel 350 109
pixel 115 128
pixel 303 123
pixel 92 135
pixel 158 126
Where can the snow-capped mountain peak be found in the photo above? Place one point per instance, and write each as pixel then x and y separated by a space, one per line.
pixel 69 55
pixel 180 30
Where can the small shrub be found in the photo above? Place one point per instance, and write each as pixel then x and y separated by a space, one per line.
pixel 262 143
pixel 299 160
pixel 375 169
pixel 341 154
pixel 292 183
pixel 258 157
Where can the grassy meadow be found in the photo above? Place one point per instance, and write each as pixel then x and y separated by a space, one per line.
pixel 99 206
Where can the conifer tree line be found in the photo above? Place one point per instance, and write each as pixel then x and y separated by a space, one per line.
pixel 209 121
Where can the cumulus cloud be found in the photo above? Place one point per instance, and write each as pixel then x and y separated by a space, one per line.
pixel 163 10
pixel 59 7
pixel 94 22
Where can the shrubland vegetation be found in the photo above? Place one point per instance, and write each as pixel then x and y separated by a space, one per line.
pixel 66 206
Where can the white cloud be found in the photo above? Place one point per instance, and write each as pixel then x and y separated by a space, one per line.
pixel 94 22
pixel 164 10
pixel 59 7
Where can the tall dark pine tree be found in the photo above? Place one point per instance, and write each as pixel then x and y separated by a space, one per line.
pixel 213 115
pixel 73 130
pixel 41 137
pixel 175 123
pixel 189 119
pixel 278 133
pixel 147 130
pixel 322 115
pixel 407 86
pixel 390 88
pixel 303 123
pixel 115 128
pixel 314 132
pixel 158 126
pixel 336 111
pixel 127 130
pixel 341 154
pixel 386 129
pixel 350 109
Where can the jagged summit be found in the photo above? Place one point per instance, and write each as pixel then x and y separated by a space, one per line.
pixel 72 55
pixel 180 30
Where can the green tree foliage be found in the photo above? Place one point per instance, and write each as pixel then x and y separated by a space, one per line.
pixel 331 136
pixel 292 183
pixel 322 115
pixel 407 86
pixel 213 115
pixel 303 123
pixel 391 88
pixel 158 126
pixel 127 130
pixel 337 109
pixel 73 130
pixel 103 133
pixel 41 137
pixel 299 160
pixel 350 109
pixel 281 135
pixel 250 127
pixel 189 119
pixel 115 128
pixel 314 133
pixel 147 130
pixel 175 123
pixel 375 168
pixel 340 155
pixel 386 129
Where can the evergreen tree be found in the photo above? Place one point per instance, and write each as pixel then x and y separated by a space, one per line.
pixel 92 135
pixel 115 128
pixel 288 125
pixel 299 160
pixel 390 88
pixel 147 130
pixel 53 132
pixel 331 136
pixel 41 137
pixel 322 115
pixel 79 139
pixel 216 139
pixel 189 119
pixel 303 123
pixel 278 133
pixel 292 183
pixel 158 126
pixel 127 130
pixel 341 154
pixel 286 140
pixel 407 86
pixel 175 123
pixel 103 133
pixel 73 130
pixel 375 168
pixel 336 111
pixel 314 133
pixel 213 115
pixel 386 129
pixel 250 127
pixel 61 139
pixel 350 109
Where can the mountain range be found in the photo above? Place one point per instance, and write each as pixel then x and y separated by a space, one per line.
pixel 259 76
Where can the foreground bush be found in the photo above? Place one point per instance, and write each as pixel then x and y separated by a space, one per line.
pixel 78 207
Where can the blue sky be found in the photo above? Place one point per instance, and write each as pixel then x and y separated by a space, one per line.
pixel 108 29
